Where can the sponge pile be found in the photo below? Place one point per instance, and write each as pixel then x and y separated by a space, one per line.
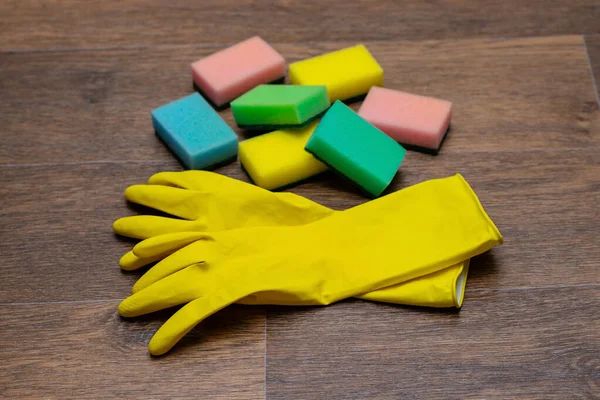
pixel 308 134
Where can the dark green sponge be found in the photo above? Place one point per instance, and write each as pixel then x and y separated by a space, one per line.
pixel 356 149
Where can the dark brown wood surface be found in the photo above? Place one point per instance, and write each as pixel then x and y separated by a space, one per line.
pixel 47 24
pixel 84 350
pixel 534 343
pixel 77 83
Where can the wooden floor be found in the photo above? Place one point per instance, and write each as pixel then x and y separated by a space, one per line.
pixel 77 82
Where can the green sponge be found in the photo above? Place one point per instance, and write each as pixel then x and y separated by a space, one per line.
pixel 356 149
pixel 268 107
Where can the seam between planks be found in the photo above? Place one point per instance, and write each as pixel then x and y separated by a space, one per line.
pixel 75 163
pixel 308 42
pixel 509 289
pixel 92 162
pixel 33 303
pixel 589 62
pixel 266 357
pixel 522 288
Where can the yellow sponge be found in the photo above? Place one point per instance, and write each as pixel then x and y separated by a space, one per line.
pixel 347 73
pixel 278 158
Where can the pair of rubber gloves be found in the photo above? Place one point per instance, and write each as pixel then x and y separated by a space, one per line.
pixel 236 242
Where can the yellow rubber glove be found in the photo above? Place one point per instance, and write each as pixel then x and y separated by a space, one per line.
pixel 441 289
pixel 208 192
pixel 206 201
pixel 413 232
pixel 209 201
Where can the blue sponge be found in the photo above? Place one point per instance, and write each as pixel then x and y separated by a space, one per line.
pixel 194 131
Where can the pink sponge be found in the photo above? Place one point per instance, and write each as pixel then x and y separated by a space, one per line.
pixel 229 73
pixel 417 122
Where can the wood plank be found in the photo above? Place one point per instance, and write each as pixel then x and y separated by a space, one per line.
pixel 57 234
pixel 526 344
pixel 593 48
pixel 95 105
pixel 84 350
pixel 56 220
pixel 46 24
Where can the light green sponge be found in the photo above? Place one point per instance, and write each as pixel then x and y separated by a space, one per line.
pixel 356 149
pixel 269 107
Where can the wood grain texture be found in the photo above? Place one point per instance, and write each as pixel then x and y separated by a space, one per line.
pixel 85 350
pixel 46 24
pixel 593 48
pixel 56 220
pixel 94 105
pixel 78 80
pixel 525 344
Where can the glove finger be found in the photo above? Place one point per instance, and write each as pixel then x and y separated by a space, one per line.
pixel 179 288
pixel 146 226
pixel 195 180
pixel 131 262
pixel 179 202
pixel 185 320
pixel 155 249
pixel 197 252
pixel 168 242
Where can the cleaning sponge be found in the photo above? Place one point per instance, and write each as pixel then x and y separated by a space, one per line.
pixel 279 106
pixel 347 73
pixel 356 149
pixel 194 131
pixel 278 158
pixel 418 122
pixel 231 72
